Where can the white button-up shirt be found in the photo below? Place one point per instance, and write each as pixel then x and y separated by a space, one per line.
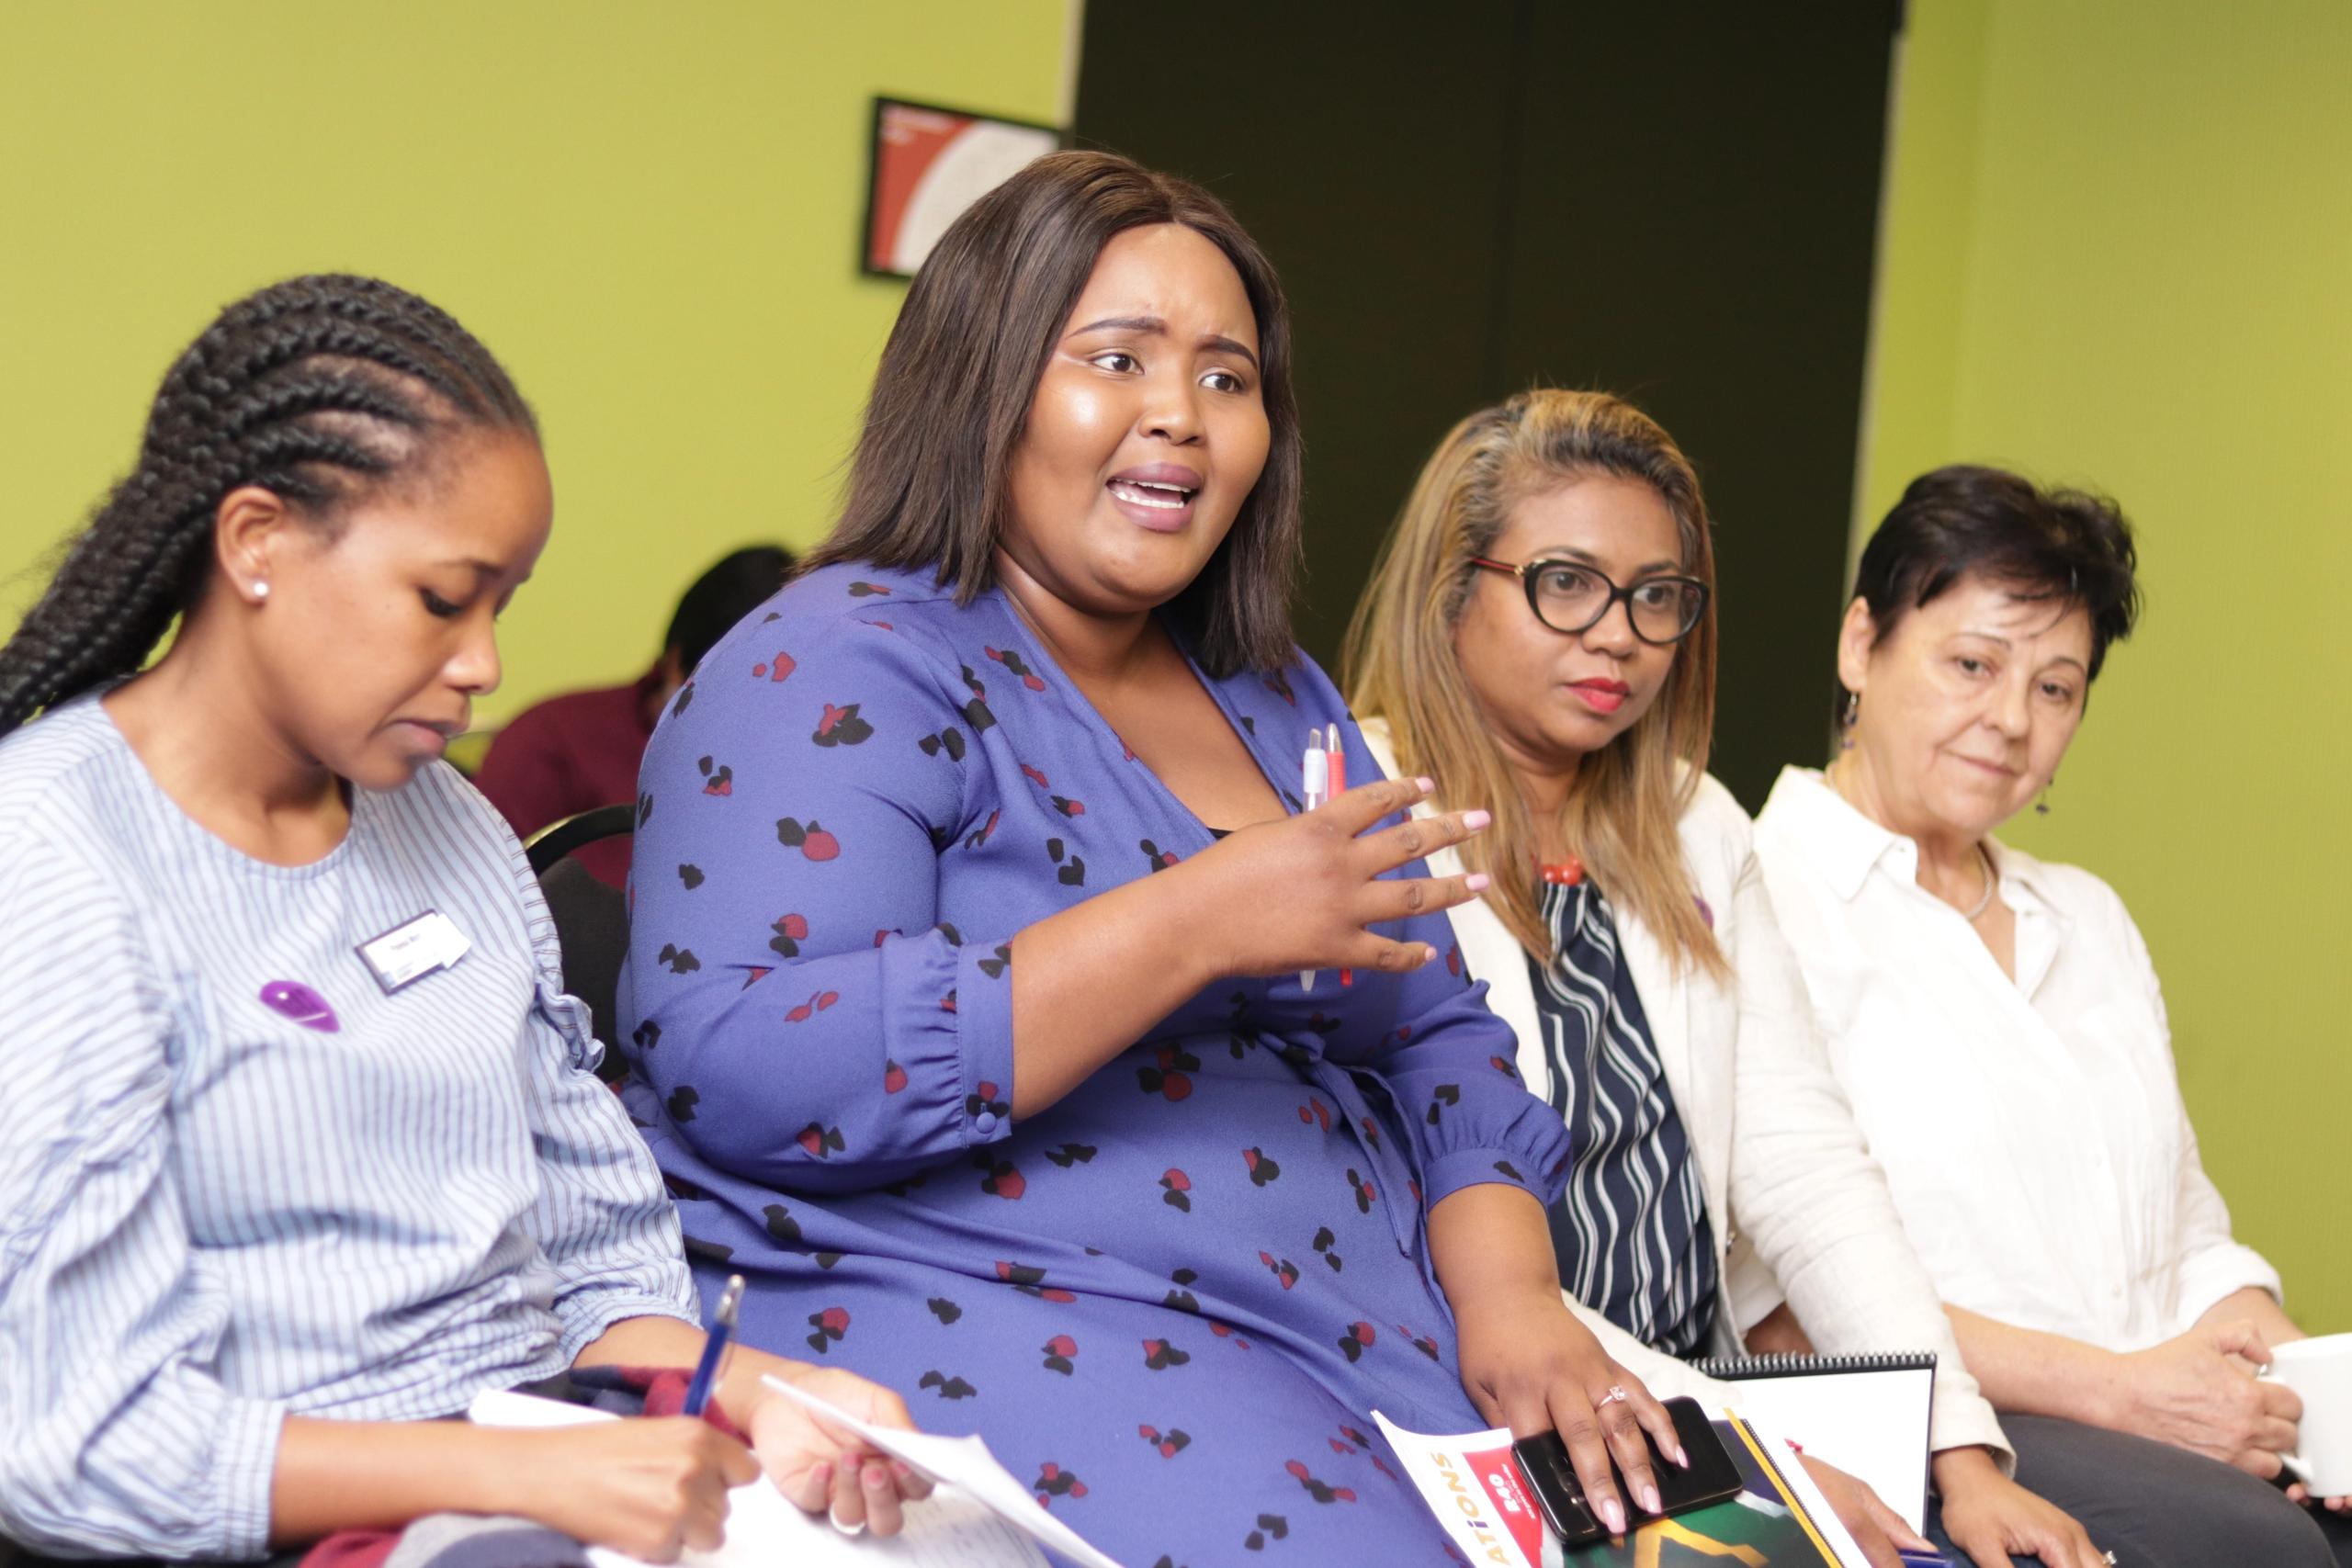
pixel 2031 1130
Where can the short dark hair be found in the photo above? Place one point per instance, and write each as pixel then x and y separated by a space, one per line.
pixel 320 388
pixel 2069 546
pixel 928 485
pixel 734 587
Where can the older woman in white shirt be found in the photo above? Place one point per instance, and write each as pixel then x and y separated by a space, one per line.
pixel 1999 1029
pixel 1540 638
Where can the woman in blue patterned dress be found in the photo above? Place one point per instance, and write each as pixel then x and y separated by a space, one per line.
pixel 959 1031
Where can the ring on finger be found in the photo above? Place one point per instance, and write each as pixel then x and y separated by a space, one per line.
pixel 1616 1394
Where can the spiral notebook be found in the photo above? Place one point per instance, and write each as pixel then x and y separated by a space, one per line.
pixel 1866 1415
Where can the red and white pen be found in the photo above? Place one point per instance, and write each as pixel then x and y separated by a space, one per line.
pixel 1335 768
pixel 1314 788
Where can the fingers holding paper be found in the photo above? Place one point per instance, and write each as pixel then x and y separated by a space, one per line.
pixel 822 1469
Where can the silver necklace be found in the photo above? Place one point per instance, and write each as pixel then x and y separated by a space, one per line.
pixel 1984 899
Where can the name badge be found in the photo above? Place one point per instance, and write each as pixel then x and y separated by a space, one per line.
pixel 409 952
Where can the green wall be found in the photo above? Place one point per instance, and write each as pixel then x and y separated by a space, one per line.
pixel 2118 249
pixel 2119 252
pixel 650 212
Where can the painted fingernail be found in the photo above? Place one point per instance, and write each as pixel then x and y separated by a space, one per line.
pixel 823 1475
pixel 1615 1512
pixel 900 1468
pixel 877 1476
pixel 1473 821
pixel 1477 882
pixel 1429 954
pixel 1426 785
pixel 1681 1457
pixel 1649 1499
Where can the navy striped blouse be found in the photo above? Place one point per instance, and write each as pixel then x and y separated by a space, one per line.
pixel 1631 1230
pixel 238 1181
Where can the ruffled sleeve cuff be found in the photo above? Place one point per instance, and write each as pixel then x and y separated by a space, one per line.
pixel 586 1314
pixel 950 1070
pixel 1451 1172
pixel 984 1041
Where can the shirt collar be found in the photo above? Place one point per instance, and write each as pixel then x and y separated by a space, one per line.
pixel 1841 842
pixel 2029 875
pixel 1847 846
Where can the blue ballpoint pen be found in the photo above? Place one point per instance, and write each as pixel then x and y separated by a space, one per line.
pixel 714 1348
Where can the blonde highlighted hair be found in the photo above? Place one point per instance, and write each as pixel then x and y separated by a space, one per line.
pixel 1622 818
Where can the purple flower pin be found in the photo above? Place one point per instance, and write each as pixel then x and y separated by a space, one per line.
pixel 301 1004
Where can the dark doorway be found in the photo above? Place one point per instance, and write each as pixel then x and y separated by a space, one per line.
pixel 1678 203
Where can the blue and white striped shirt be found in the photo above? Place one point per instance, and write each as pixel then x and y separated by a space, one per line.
pixel 219 1204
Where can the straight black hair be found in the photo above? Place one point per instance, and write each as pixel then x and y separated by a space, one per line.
pixel 928 486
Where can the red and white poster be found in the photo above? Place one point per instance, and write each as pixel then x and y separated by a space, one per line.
pixel 1473 1484
pixel 929 166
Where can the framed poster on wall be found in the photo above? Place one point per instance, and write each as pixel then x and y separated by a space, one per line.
pixel 928 164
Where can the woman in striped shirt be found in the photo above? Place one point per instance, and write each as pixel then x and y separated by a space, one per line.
pixel 304 1150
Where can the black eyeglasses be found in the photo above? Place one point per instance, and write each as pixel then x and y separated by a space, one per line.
pixel 1569 596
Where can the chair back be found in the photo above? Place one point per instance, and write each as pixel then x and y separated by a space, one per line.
pixel 591 919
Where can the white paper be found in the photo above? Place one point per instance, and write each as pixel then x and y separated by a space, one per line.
pixel 1871 1424
pixel 949 1529
pixel 964 1464
pixel 1799 1480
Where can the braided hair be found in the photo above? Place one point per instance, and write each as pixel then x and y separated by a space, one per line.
pixel 316 389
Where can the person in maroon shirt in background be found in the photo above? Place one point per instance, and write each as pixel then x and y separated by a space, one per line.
pixel 580 750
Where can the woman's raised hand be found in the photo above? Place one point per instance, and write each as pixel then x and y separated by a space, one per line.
pixel 1299 894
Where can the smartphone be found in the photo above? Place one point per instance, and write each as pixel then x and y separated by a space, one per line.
pixel 1712 1476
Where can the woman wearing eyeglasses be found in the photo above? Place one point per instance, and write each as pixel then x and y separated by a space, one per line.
pixel 1539 635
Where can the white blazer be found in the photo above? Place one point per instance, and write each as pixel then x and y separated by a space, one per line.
pixel 1799 1209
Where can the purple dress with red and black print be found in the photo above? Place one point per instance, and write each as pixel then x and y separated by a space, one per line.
pixel 1171 1299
